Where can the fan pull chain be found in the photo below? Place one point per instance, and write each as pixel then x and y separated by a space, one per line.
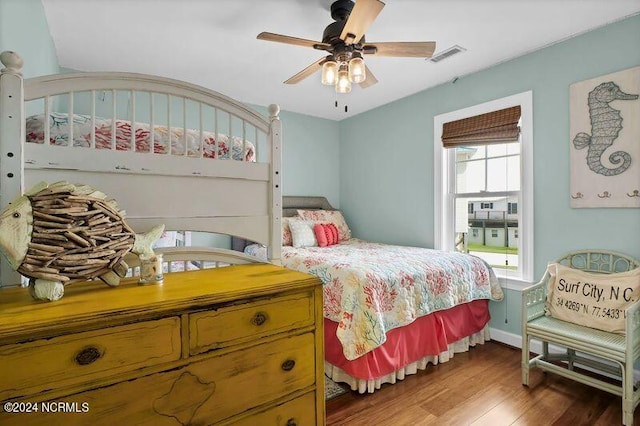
pixel 346 107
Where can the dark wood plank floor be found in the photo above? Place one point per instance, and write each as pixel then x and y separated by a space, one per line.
pixel 479 387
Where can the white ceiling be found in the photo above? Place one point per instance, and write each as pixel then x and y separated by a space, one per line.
pixel 213 42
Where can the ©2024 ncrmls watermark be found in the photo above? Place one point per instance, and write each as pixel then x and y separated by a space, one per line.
pixel 45 407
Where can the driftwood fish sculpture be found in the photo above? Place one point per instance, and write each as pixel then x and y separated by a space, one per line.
pixel 59 233
pixel 606 124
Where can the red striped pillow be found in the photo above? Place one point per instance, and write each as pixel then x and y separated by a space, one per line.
pixel 326 234
pixel 332 229
pixel 321 235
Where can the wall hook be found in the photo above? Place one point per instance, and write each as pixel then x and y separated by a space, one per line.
pixel 578 195
pixel 605 194
pixel 634 193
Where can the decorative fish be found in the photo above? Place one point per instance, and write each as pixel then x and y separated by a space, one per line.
pixel 60 233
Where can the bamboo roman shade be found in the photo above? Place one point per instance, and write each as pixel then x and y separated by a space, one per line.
pixel 493 127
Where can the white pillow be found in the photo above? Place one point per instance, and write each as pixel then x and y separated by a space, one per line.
pixel 591 299
pixel 302 234
pixel 330 216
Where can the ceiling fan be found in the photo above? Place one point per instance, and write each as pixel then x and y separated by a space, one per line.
pixel 344 41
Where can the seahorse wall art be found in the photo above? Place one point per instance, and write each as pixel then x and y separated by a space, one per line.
pixel 604 141
pixel 606 123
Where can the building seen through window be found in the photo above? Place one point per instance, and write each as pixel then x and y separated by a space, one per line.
pixel 487 187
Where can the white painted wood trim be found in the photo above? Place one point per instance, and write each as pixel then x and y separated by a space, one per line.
pixel 12 133
pixel 80 82
pixel 110 161
pixel 171 254
pixel 443 183
pixel 275 136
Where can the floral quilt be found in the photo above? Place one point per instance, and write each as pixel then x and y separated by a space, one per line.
pixel 59 135
pixel 371 288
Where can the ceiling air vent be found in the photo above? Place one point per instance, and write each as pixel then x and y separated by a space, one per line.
pixel 447 53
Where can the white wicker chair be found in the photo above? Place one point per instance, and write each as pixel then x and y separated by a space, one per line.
pixel 584 346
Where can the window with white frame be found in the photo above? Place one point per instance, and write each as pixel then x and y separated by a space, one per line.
pixel 498 176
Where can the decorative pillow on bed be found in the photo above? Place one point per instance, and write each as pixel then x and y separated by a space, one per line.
pixel 332 216
pixel 286 232
pixel 302 233
pixel 591 299
pixel 326 234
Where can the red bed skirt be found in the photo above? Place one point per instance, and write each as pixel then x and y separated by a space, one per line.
pixel 428 335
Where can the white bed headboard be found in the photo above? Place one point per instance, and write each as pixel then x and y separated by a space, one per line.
pixel 185 192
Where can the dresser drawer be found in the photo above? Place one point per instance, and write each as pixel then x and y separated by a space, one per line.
pixel 234 324
pixel 299 412
pixel 204 392
pixel 32 367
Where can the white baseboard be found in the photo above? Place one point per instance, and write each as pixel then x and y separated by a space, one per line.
pixel 515 340
pixel 507 338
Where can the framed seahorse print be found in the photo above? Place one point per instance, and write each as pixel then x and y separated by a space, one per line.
pixel 605 140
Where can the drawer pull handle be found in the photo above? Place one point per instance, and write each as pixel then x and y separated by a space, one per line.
pixel 288 365
pixel 292 422
pixel 259 319
pixel 88 355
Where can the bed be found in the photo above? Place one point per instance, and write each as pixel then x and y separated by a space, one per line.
pixel 169 152
pixel 381 323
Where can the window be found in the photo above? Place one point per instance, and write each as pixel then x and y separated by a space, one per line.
pixel 497 174
pixel 470 210
pixel 474 232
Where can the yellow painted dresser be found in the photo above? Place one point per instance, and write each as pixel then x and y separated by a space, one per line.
pixel 240 345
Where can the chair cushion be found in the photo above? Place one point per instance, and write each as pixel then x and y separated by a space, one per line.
pixel 596 300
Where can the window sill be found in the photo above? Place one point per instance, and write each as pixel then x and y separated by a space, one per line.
pixel 511 283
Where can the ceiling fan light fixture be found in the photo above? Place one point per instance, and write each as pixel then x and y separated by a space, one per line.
pixel 345 44
pixel 330 72
pixel 343 85
pixel 357 70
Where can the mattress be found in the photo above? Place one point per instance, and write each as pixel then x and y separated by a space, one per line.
pixel 371 289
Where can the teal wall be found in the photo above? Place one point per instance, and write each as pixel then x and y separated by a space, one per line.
pixel 24 29
pixel 386 169
pixel 310 155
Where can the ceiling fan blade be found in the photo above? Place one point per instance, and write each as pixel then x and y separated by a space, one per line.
pixel 409 49
pixel 316 66
pixel 362 15
pixel 370 80
pixel 279 38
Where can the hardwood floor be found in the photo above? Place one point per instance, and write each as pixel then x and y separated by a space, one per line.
pixel 479 387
